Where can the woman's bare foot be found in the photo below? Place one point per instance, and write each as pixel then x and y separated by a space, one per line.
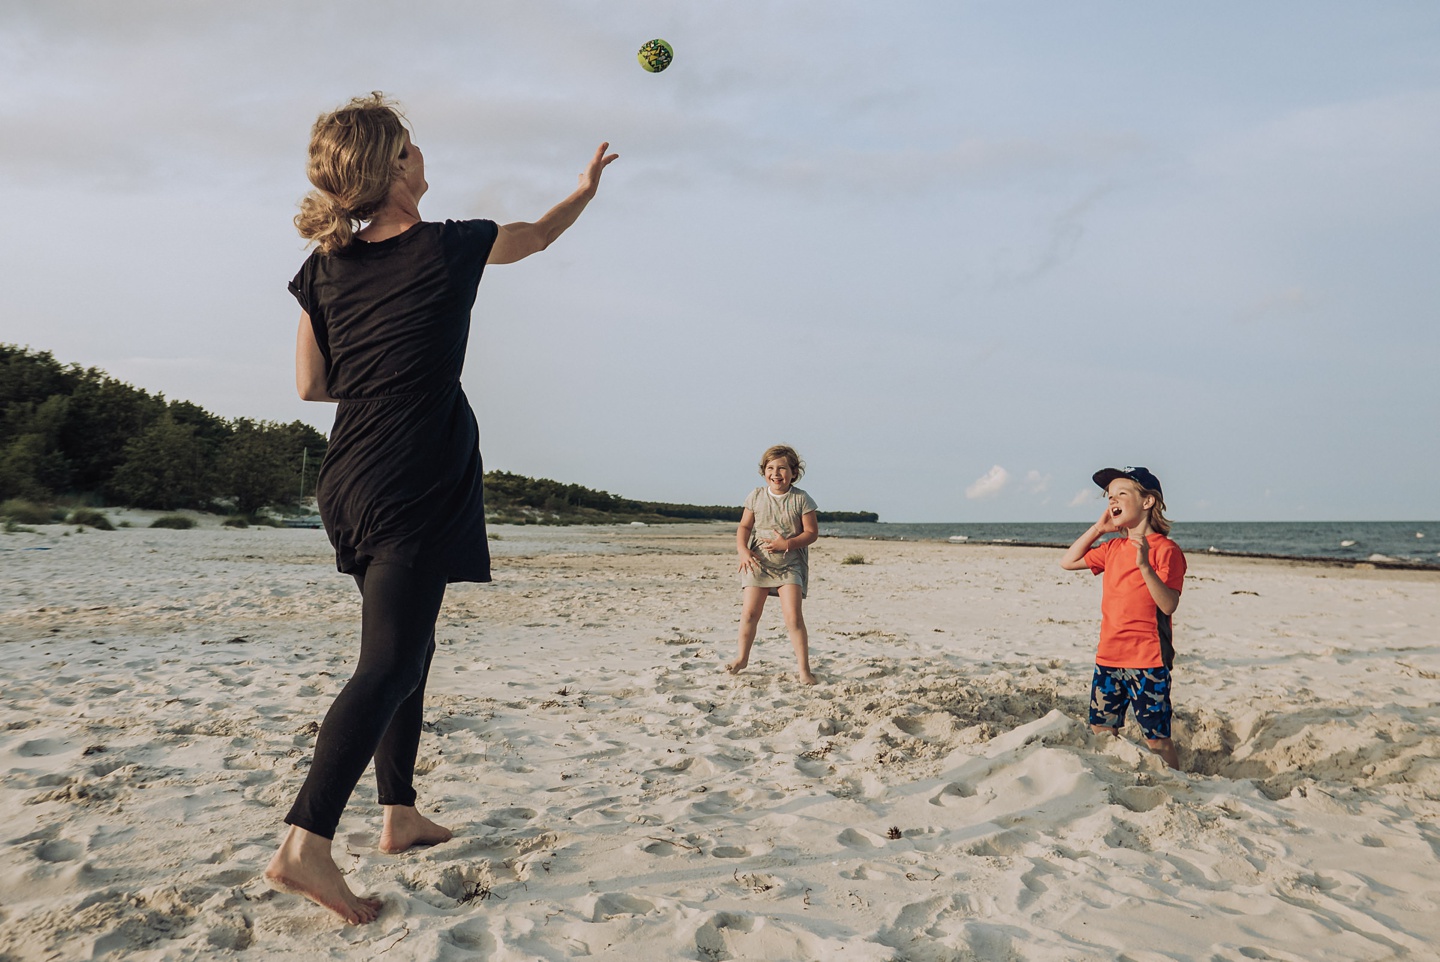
pixel 808 679
pixel 303 866
pixel 405 828
pixel 737 666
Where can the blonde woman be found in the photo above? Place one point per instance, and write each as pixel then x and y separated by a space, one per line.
pixel 385 300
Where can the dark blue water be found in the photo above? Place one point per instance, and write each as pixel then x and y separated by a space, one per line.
pixel 1410 542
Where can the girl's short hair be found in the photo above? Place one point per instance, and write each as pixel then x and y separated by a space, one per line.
pixel 782 451
pixel 354 159
pixel 1158 521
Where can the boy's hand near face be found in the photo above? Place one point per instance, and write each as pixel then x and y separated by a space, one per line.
pixel 1106 524
pixel 1137 536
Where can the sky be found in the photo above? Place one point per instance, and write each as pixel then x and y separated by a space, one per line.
pixel 959 255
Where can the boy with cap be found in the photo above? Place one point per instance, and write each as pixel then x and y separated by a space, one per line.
pixel 1143 573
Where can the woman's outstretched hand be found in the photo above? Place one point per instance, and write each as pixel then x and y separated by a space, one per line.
pixel 590 178
pixel 519 240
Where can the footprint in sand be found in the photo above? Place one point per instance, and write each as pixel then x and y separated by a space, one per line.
pixel 1138 798
pixel 952 794
pixel 618 904
pixel 474 934
pixel 59 850
pixel 509 817
pixel 859 840
pixel 813 767
pixel 713 937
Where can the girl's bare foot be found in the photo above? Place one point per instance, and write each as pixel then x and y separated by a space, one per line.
pixel 405 828
pixel 736 666
pixel 808 679
pixel 303 866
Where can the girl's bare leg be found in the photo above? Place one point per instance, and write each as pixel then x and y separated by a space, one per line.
pixel 790 600
pixel 751 606
pixel 304 866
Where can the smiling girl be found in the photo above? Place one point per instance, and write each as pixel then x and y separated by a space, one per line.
pixel 773 541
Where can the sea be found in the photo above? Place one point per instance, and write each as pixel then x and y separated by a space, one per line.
pixel 1397 544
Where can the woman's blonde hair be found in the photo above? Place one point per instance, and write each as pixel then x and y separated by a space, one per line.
pixel 354 158
pixel 782 451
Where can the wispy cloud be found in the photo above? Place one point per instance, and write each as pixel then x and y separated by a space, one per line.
pixel 1082 497
pixel 989 484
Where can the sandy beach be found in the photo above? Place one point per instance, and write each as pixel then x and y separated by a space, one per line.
pixel 616 795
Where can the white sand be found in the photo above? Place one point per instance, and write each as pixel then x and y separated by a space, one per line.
pixel 616 796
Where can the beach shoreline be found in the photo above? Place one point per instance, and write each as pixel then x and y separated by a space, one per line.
pixel 616 795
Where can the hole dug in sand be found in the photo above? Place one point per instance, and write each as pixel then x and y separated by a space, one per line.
pixel 1384 747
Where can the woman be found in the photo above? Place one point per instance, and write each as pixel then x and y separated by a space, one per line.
pixel 384 323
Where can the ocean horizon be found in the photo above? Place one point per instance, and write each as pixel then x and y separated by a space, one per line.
pixel 1402 543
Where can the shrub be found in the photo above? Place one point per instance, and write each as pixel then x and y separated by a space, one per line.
pixel 236 521
pixel 10 526
pixel 853 559
pixel 91 518
pixel 177 521
pixel 267 521
pixel 28 512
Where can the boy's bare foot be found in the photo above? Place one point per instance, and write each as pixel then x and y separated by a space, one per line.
pixel 303 866
pixel 737 666
pixel 808 679
pixel 405 828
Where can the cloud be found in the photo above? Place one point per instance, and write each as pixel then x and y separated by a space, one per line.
pixel 1082 497
pixel 1037 483
pixel 1062 239
pixel 1291 300
pixel 989 484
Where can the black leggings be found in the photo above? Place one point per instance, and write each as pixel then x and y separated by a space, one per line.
pixel 380 710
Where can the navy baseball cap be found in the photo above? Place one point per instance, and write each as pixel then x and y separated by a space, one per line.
pixel 1140 476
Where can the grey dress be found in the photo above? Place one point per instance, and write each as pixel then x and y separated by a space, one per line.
pixel 784 515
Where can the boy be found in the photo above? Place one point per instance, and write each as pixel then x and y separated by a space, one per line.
pixel 1143 574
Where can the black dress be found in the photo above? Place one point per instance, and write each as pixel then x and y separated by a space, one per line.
pixel 401 481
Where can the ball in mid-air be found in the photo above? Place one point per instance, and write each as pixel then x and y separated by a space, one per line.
pixel 655 55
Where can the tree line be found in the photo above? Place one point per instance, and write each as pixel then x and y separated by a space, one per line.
pixel 505 491
pixel 68 432
pixel 73 432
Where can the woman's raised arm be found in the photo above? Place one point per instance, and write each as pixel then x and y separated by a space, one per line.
pixel 519 240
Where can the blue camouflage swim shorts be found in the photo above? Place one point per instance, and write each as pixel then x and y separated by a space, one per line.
pixel 1147 690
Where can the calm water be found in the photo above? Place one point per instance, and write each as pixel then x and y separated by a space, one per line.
pixel 1415 542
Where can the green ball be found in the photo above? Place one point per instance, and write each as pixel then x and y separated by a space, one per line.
pixel 655 55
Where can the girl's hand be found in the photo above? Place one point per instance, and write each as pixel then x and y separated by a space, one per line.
pixel 776 544
pixel 748 562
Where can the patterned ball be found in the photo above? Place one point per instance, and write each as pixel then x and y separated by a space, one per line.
pixel 655 55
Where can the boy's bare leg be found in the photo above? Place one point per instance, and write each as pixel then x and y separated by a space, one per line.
pixel 1105 730
pixel 751 606
pixel 405 827
pixel 1165 748
pixel 304 866
pixel 790 600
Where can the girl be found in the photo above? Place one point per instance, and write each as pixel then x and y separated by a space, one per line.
pixel 385 317
pixel 773 541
